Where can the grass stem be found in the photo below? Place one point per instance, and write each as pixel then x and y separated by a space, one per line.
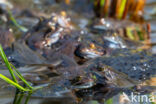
pixel 15 22
pixel 14 82
pixel 2 54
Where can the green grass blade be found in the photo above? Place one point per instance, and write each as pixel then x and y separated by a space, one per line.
pixel 21 77
pixel 15 23
pixel 109 101
pixel 13 83
pixel 7 63
pixel 121 9
pixel 24 80
pixel 102 2
pixel 129 33
pixel 140 33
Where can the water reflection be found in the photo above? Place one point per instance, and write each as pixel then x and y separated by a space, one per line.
pixel 28 98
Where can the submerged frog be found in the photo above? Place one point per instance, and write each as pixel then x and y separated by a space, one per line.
pixel 100 76
pixel 124 65
pixel 138 65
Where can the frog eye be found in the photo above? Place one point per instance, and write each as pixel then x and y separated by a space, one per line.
pixel 63 13
pixel 92 46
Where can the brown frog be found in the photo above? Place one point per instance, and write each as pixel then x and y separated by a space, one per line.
pixel 6 38
pixel 57 34
pixel 126 29
pixel 48 32
pixel 95 45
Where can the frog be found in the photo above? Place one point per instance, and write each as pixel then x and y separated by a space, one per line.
pixel 55 34
pixel 110 70
pixel 55 38
pixel 111 75
pixel 91 45
pixel 96 75
pixel 138 65
pixel 49 32
pixel 101 77
pixel 126 29
pixel 104 36
pixel 6 38
pixel 108 60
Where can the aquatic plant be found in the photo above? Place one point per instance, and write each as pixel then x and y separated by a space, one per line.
pixel 126 9
pixel 22 28
pixel 13 71
pixel 120 9
pixel 109 101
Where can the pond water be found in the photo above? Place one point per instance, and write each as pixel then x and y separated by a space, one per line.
pixel 75 58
